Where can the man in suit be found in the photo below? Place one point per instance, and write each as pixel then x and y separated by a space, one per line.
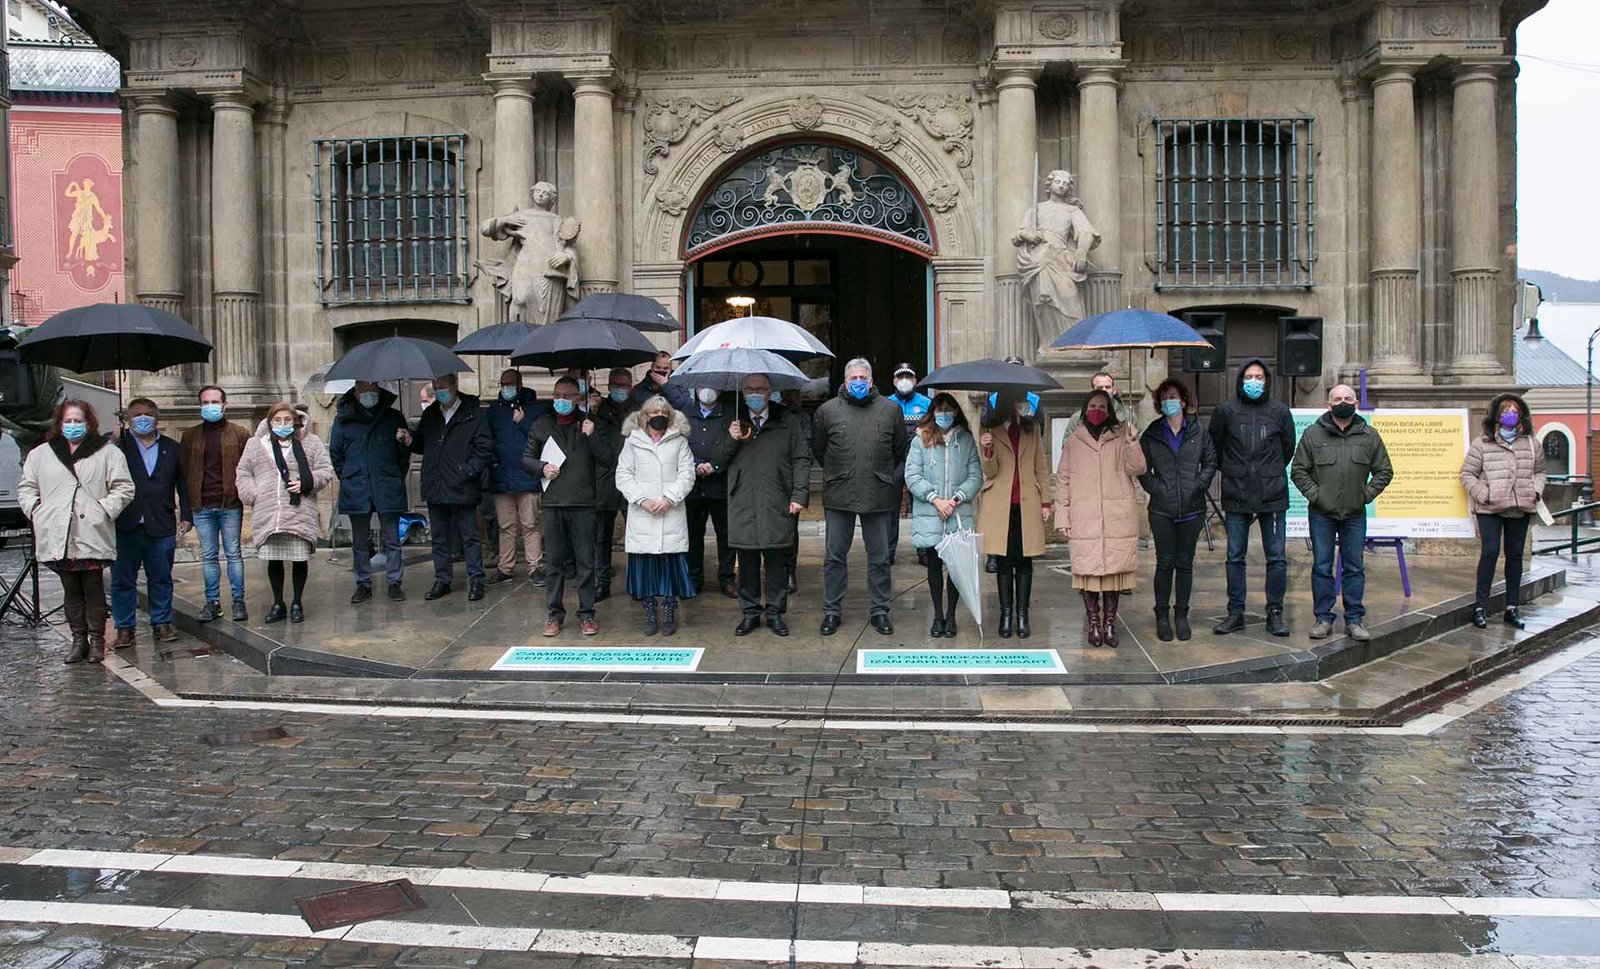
pixel 149 528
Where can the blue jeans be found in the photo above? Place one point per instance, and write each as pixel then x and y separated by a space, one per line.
pixel 1350 534
pixel 134 549
pixel 1272 540
pixel 210 524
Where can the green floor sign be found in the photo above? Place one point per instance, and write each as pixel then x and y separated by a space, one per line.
pixel 637 660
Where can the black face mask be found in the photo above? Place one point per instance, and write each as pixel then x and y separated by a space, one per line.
pixel 1343 411
pixel 660 422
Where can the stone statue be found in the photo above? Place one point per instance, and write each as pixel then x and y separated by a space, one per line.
pixel 543 277
pixel 1053 245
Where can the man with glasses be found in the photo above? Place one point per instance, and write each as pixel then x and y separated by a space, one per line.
pixel 655 382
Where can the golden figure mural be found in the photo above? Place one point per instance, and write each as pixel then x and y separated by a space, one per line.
pixel 83 237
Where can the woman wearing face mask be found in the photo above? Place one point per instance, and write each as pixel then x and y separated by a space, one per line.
pixel 655 473
pixel 73 487
pixel 943 475
pixel 280 475
pixel 1504 477
pixel 1181 461
pixel 1097 513
pixel 1015 504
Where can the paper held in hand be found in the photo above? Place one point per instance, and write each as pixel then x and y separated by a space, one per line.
pixel 552 453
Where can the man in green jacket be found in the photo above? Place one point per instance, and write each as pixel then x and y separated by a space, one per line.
pixel 1341 466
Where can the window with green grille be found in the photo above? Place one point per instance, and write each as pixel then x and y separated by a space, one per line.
pixel 1235 203
pixel 391 219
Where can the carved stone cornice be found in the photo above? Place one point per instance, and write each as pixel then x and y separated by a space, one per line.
pixel 668 121
pixel 946 118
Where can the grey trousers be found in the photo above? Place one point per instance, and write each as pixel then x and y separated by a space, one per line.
pixel 835 563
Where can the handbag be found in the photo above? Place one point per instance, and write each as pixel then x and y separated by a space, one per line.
pixel 1539 507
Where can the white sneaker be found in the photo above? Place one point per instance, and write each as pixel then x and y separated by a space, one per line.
pixel 1357 632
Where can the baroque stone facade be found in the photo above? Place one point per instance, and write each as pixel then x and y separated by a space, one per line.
pixel 1346 159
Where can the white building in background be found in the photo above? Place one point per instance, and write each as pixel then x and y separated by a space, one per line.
pixel 42 20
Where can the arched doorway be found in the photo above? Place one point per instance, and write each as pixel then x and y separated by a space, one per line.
pixel 824 235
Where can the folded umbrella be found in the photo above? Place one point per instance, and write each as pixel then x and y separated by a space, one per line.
pixel 1128 329
pixel 639 312
pixel 395 358
pixel 584 343
pixel 114 336
pixel 989 374
pixel 757 333
pixel 725 368
pixel 961 551
pixel 497 340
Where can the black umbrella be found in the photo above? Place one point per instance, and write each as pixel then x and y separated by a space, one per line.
pixel 584 343
pixel 989 374
pixel 639 312
pixel 497 340
pixel 114 336
pixel 396 358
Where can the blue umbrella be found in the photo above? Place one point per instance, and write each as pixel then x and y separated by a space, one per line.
pixel 1128 329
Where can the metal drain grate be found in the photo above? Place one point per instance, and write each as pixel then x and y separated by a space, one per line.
pixel 362 903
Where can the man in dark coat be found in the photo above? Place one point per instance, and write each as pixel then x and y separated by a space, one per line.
pixel 708 426
pixel 858 437
pixel 371 464
pixel 608 501
pixel 148 529
pixel 453 439
pixel 514 490
pixel 569 501
pixel 1254 438
pixel 768 480
pixel 654 382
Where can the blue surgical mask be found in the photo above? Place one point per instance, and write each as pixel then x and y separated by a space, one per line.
pixel 1172 407
pixel 1508 434
pixel 756 402
pixel 944 419
pixel 283 430
pixel 562 406
pixel 443 396
pixel 509 393
pixel 776 396
pixel 1254 388
pixel 858 387
pixel 74 430
pixel 369 400
pixel 144 425
pixel 618 395
pixel 211 413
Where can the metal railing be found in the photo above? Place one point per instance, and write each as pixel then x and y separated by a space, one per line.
pixel 1575 545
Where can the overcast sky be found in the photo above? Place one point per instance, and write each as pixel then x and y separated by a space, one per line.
pixel 1558 139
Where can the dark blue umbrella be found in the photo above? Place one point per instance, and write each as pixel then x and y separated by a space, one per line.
pixel 1128 329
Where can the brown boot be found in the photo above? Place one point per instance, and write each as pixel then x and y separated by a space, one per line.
pixel 1109 618
pixel 80 649
pixel 97 647
pixel 164 633
pixel 1091 617
pixel 126 639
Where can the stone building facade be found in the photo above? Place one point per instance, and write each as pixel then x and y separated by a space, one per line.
pixel 301 177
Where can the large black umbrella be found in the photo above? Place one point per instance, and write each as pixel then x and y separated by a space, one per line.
pixel 584 343
pixel 497 340
pixel 639 312
pixel 114 336
pixel 989 374
pixel 396 358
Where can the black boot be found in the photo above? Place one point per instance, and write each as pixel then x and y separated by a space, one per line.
pixel 669 615
pixel 1275 624
pixel 1480 617
pixel 1004 586
pixel 1024 596
pixel 1180 623
pixel 1163 624
pixel 1091 617
pixel 1108 617
pixel 650 624
pixel 80 649
pixel 1514 619
pixel 950 618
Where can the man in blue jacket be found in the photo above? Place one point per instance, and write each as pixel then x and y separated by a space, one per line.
pixel 515 491
pixel 149 528
pixel 371 465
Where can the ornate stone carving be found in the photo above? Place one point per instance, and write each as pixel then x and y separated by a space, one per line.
pixel 672 200
pixel 336 66
pixel 547 36
pixel 959 46
pixel 885 134
pixel 184 53
pixel 806 112
pixel 543 275
pixel 668 121
pixel 451 61
pixel 809 186
pixel 1053 245
pixel 728 137
pixel 1058 26
pixel 899 48
pixel 947 118
pixel 943 196
pixel 1441 23
pixel 390 63
pixel 711 52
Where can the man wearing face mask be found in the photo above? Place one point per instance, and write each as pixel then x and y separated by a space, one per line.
pixel 515 492
pixel 1104 382
pixel 913 408
pixel 453 439
pixel 149 528
pixel 371 464
pixel 1254 439
pixel 1341 466
pixel 709 499
pixel 608 501
pixel 859 438
pixel 654 382
pixel 211 450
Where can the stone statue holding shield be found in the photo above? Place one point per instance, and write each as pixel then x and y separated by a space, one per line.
pixel 1053 245
pixel 543 277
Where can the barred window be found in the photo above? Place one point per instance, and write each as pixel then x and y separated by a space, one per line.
pixel 1235 203
pixel 391 219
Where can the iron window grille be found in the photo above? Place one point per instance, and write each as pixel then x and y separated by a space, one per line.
pixel 391 219
pixel 1235 203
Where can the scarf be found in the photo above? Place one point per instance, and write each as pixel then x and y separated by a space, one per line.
pixel 68 457
pixel 302 466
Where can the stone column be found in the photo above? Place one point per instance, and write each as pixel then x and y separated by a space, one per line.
pixel 1396 205
pixel 1475 220
pixel 235 247
pixel 1016 188
pixel 513 143
pixel 158 227
pixel 594 181
pixel 1100 182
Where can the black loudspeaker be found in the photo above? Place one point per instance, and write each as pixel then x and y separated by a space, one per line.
pixel 1214 358
pixel 1300 346
pixel 16 382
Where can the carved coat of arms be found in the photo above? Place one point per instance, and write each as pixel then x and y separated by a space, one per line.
pixel 809 186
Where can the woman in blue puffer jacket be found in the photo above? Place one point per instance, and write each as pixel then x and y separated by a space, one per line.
pixel 943 476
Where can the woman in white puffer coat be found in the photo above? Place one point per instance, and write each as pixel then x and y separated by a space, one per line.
pixel 655 473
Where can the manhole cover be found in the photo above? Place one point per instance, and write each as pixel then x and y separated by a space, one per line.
pixel 348 906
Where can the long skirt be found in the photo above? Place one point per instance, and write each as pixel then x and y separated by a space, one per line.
pixel 1116 582
pixel 659 575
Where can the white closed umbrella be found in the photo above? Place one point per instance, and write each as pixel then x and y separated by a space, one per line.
pixel 756 333
pixel 961 551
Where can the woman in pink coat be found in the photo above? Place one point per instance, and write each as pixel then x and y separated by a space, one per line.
pixel 280 475
pixel 1098 514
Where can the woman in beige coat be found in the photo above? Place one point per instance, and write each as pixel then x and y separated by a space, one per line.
pixel 1014 504
pixel 280 475
pixel 73 487
pixel 1097 513
pixel 1504 476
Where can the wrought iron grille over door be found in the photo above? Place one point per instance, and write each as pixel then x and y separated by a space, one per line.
pixel 815 186
pixel 391 219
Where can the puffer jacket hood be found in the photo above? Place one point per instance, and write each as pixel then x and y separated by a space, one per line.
pixel 350 409
pixel 1238 381
pixel 635 422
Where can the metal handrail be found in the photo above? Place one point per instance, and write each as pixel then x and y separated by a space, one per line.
pixel 1576 545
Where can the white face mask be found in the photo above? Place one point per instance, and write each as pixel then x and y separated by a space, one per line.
pixel 707 395
pixel 905 385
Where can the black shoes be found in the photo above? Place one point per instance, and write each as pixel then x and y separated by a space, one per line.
pixel 1275 624
pixel 669 615
pixel 936 628
pixel 439 591
pixel 1480 618
pixel 362 594
pixel 883 625
pixel 537 578
pixel 1514 620
pixel 397 593
pixel 475 591
pixel 296 613
pixel 1232 624
pixel 830 625
pixel 778 626
pixel 496 577
pixel 602 591
pixel 651 622
pixel 1164 625
pixel 80 649
pixel 747 625
pixel 789 586
pixel 276 614
pixel 1180 624
pixel 211 613
pixel 239 612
